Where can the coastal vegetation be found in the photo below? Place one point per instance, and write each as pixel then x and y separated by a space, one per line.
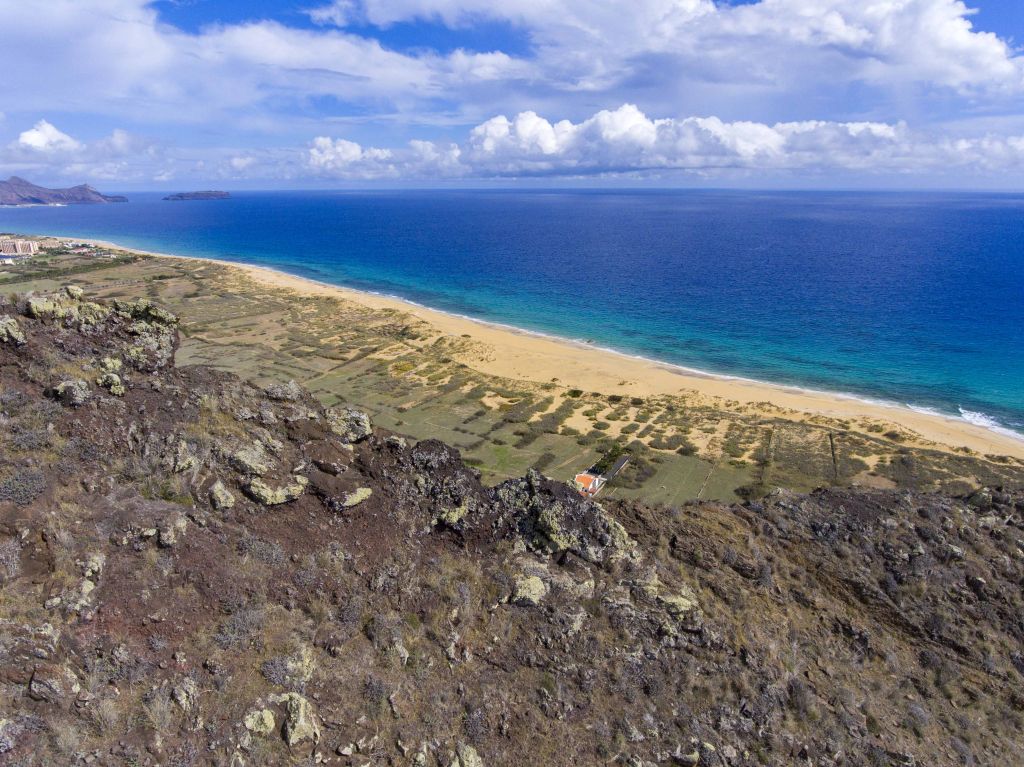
pixel 422 382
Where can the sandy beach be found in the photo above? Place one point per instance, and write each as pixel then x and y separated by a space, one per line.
pixel 524 355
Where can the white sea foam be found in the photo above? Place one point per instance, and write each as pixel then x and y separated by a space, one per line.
pixel 988 422
pixel 924 410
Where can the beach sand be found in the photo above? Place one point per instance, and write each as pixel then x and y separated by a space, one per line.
pixel 522 355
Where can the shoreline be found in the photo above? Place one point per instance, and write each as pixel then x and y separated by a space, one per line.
pixel 538 357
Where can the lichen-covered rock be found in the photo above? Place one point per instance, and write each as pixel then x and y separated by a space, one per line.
pixel 452 516
pixel 88 314
pixel 561 520
pixel 350 424
pixel 690 758
pixel 74 393
pixel 453 488
pixel 251 460
pixel 112 383
pixel 300 722
pixel 184 458
pixel 145 311
pixel 682 604
pixel 111 365
pixel 356 497
pixel 528 590
pixel 286 392
pixel 51 683
pixel 11 332
pixel 260 491
pixel 9 732
pixel 220 496
pixel 186 695
pixel 92 567
pixel 169 532
pixel 68 308
pixel 260 722
pixel 468 756
pixel 43 307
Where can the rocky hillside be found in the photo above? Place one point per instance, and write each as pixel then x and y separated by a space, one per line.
pixel 18 191
pixel 196 571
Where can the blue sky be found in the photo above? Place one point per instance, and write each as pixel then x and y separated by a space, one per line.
pixel 271 94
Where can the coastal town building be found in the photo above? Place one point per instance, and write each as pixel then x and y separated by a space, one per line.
pixel 590 482
pixel 10 247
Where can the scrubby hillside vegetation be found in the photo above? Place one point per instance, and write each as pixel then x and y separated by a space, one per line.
pixel 194 571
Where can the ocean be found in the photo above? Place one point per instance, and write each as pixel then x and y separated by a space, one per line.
pixel 913 299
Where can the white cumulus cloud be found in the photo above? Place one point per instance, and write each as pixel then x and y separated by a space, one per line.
pixel 44 137
pixel 625 140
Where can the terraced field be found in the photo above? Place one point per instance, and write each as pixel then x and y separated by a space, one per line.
pixel 413 379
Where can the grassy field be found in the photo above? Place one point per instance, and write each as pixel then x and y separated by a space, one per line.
pixel 403 372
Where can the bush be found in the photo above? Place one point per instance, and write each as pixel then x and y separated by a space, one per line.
pixel 23 487
pixel 376 694
pixel 239 628
pixel 544 461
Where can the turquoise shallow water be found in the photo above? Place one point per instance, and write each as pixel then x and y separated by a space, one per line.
pixel 908 298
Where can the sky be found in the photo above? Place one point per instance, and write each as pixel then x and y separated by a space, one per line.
pixel 180 94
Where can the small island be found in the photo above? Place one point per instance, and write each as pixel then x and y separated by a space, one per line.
pixel 208 195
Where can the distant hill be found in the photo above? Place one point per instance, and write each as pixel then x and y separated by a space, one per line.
pixel 18 191
pixel 198 196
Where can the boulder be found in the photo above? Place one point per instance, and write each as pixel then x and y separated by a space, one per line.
pixel 687 758
pixel 184 458
pixel 43 307
pixel 260 722
pixel 561 520
pixel 260 491
pixel 350 424
pixel 9 732
pixel 112 383
pixel 186 695
pixel 144 311
pixel 981 499
pixel 680 604
pixel 468 756
pixel 169 532
pixel 11 332
pixel 53 684
pixel 286 392
pixel 220 496
pixel 74 393
pixel 528 590
pixel 68 307
pixel 356 497
pixel 300 722
pixel 251 460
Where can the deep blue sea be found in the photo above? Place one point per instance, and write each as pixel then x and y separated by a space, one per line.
pixel 909 298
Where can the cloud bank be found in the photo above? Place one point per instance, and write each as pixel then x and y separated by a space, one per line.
pixel 567 88
pixel 626 141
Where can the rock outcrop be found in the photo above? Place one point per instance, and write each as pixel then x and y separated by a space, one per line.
pixel 198 570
